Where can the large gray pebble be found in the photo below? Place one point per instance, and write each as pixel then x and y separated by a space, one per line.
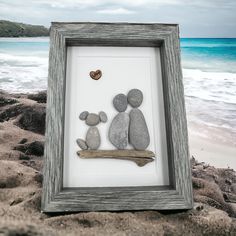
pixel 92 119
pixel 83 115
pixel 93 138
pixel 118 131
pixel 138 131
pixel 135 97
pixel 82 144
pixel 103 116
pixel 120 102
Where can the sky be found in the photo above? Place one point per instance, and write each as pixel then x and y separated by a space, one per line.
pixel 197 18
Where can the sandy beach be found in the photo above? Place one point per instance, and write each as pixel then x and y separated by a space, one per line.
pixel 214 153
pixel 22 123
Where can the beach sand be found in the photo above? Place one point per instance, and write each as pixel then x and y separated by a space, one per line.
pixel 220 155
pixel 22 123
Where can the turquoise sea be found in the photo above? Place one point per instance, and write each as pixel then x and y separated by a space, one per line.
pixel 209 69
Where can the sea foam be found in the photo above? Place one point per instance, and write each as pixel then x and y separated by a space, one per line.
pixel 20 73
pixel 213 86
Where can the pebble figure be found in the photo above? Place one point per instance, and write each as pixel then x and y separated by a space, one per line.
pixel 118 131
pixel 93 139
pixel 138 131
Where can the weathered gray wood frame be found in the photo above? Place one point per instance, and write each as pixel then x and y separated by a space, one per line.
pixel 178 195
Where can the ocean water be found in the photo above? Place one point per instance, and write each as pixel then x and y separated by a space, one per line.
pixel 23 64
pixel 209 70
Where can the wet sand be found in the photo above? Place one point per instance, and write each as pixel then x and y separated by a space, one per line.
pixel 212 152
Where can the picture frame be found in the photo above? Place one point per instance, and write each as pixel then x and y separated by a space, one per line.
pixel 178 193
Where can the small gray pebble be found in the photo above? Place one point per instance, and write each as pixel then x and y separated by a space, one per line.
pixel 82 144
pixel 138 131
pixel 120 102
pixel 103 116
pixel 118 131
pixel 83 115
pixel 93 138
pixel 92 119
pixel 135 97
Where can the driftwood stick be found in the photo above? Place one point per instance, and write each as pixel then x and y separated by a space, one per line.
pixel 141 158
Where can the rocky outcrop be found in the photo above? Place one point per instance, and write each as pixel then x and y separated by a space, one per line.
pixel 214 186
pixel 14 29
pixel 40 97
pixel 26 114
pixel 33 119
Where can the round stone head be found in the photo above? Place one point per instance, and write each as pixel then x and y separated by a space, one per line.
pixel 135 97
pixel 92 119
pixel 120 102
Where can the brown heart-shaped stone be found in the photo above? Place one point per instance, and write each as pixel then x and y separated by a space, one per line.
pixel 96 75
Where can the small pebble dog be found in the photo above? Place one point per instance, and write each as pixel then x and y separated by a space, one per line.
pixel 93 139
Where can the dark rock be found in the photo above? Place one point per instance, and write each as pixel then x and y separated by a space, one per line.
pixel 199 207
pixel 40 97
pixel 33 119
pixel 21 147
pixel 16 201
pixel 35 148
pixel 30 163
pixel 138 131
pixel 120 102
pixel 118 131
pixel 92 119
pixel 11 112
pixel 82 144
pixel 135 97
pixel 228 181
pixel 93 139
pixel 83 115
pixel 24 140
pixel 103 116
pixel 24 157
pixel 7 101
pixel 39 177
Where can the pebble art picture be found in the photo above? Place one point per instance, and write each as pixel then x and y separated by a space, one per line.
pixel 125 128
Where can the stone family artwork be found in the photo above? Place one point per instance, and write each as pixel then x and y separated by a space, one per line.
pixel 125 128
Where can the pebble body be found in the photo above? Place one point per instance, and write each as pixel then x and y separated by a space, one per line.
pixel 92 119
pixel 93 139
pixel 118 131
pixel 138 131
pixel 135 97
pixel 103 116
pixel 83 115
pixel 120 102
pixel 82 144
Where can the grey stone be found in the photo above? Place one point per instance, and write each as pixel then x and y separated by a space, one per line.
pixel 83 115
pixel 93 138
pixel 82 144
pixel 118 131
pixel 120 102
pixel 92 119
pixel 103 116
pixel 138 131
pixel 135 97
